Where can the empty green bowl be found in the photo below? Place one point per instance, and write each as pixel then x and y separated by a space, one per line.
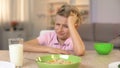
pixel 75 61
pixel 103 48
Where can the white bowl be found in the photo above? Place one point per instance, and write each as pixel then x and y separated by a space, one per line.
pixel 5 64
pixel 114 64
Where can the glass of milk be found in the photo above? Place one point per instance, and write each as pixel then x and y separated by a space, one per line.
pixel 16 51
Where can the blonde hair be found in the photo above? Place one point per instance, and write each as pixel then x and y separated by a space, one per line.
pixel 66 9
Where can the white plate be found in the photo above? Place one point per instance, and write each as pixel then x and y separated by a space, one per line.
pixel 5 64
pixel 114 65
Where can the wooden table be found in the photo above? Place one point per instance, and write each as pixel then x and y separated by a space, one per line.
pixel 90 60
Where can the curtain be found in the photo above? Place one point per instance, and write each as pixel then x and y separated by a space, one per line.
pixel 4 10
pixel 14 10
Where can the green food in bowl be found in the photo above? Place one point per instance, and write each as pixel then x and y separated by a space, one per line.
pixel 103 48
pixel 58 61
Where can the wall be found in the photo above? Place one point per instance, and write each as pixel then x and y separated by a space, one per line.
pixel 105 11
pixel 38 8
pixel 0 37
pixel 82 2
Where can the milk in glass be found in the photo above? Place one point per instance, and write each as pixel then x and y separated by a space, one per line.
pixel 16 51
pixel 16 54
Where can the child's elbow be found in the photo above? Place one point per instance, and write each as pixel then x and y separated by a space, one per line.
pixel 80 53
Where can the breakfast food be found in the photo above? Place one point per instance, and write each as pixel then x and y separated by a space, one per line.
pixel 58 61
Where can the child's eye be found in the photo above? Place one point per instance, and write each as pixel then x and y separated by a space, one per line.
pixel 65 26
pixel 57 24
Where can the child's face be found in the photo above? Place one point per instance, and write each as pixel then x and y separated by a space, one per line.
pixel 61 27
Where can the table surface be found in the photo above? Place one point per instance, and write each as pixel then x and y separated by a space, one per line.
pixel 90 60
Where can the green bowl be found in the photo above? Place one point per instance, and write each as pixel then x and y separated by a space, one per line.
pixel 103 48
pixel 75 61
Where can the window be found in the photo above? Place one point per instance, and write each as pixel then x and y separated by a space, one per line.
pixel 11 10
pixel 4 10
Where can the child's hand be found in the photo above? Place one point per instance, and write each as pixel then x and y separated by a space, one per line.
pixel 58 51
pixel 72 18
